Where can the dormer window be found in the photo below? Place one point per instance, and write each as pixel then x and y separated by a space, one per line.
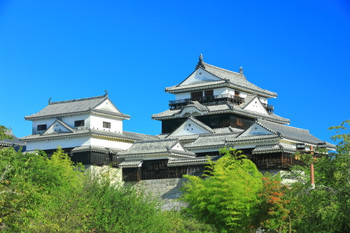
pixel 237 93
pixel 42 127
pixel 79 123
pixel 107 124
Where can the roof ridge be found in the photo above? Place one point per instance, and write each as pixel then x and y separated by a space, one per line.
pixel 223 69
pixel 157 140
pixel 75 100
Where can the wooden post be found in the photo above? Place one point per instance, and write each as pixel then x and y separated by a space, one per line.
pixel 312 175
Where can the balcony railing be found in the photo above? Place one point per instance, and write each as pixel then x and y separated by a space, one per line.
pixel 207 100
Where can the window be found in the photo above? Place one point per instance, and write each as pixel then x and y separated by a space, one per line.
pixel 79 123
pixel 237 93
pixel 209 93
pixel 106 124
pixel 196 95
pixel 239 122
pixel 42 127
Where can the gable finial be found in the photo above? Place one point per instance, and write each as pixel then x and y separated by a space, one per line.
pixel 50 100
pixel 200 62
pixel 106 93
pixel 241 70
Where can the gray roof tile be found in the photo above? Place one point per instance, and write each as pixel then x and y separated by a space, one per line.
pixel 274 148
pixel 237 80
pixel 11 142
pixel 223 108
pixel 290 132
pixel 88 132
pixel 61 108
pixel 154 148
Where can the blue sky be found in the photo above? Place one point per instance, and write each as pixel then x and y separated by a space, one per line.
pixel 134 49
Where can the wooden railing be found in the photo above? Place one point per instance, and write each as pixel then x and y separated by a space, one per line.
pixel 275 163
pixel 207 100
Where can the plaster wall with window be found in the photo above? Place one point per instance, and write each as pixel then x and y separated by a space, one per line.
pixel 97 122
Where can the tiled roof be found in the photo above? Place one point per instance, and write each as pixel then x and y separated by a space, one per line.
pixel 88 132
pixel 155 148
pixel 253 138
pixel 91 148
pixel 186 162
pixel 290 132
pixel 131 164
pixel 227 130
pixel 197 105
pixel 274 148
pixel 15 142
pixel 223 108
pixel 228 78
pixel 71 107
pixel 211 141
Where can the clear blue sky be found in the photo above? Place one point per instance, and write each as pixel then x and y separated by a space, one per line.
pixel 134 49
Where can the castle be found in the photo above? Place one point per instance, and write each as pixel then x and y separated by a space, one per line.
pixel 212 108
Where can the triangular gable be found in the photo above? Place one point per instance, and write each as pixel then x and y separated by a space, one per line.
pixel 191 126
pixel 255 105
pixel 256 130
pixel 178 146
pixel 199 76
pixel 107 105
pixel 58 127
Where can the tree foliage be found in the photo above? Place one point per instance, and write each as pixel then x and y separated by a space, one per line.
pixel 325 208
pixel 274 208
pixel 51 194
pixel 3 134
pixel 227 195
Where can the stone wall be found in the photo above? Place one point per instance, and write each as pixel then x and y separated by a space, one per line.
pixel 167 190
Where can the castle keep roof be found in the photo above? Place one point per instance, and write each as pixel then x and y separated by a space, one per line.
pixel 225 78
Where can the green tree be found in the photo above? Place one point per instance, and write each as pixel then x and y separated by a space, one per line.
pixel 30 183
pixel 325 208
pixel 274 207
pixel 227 195
pixel 51 194
pixel 3 134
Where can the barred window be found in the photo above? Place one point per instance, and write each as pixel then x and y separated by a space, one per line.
pixel 42 127
pixel 106 124
pixel 79 123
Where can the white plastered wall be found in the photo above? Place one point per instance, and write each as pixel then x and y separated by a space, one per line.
pixel 200 75
pixel 181 96
pixel 110 144
pixel 230 91
pixel 107 106
pixel 53 144
pixel 178 147
pixel 46 122
pixel 69 120
pixel 256 106
pixel 96 122
pixel 189 128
